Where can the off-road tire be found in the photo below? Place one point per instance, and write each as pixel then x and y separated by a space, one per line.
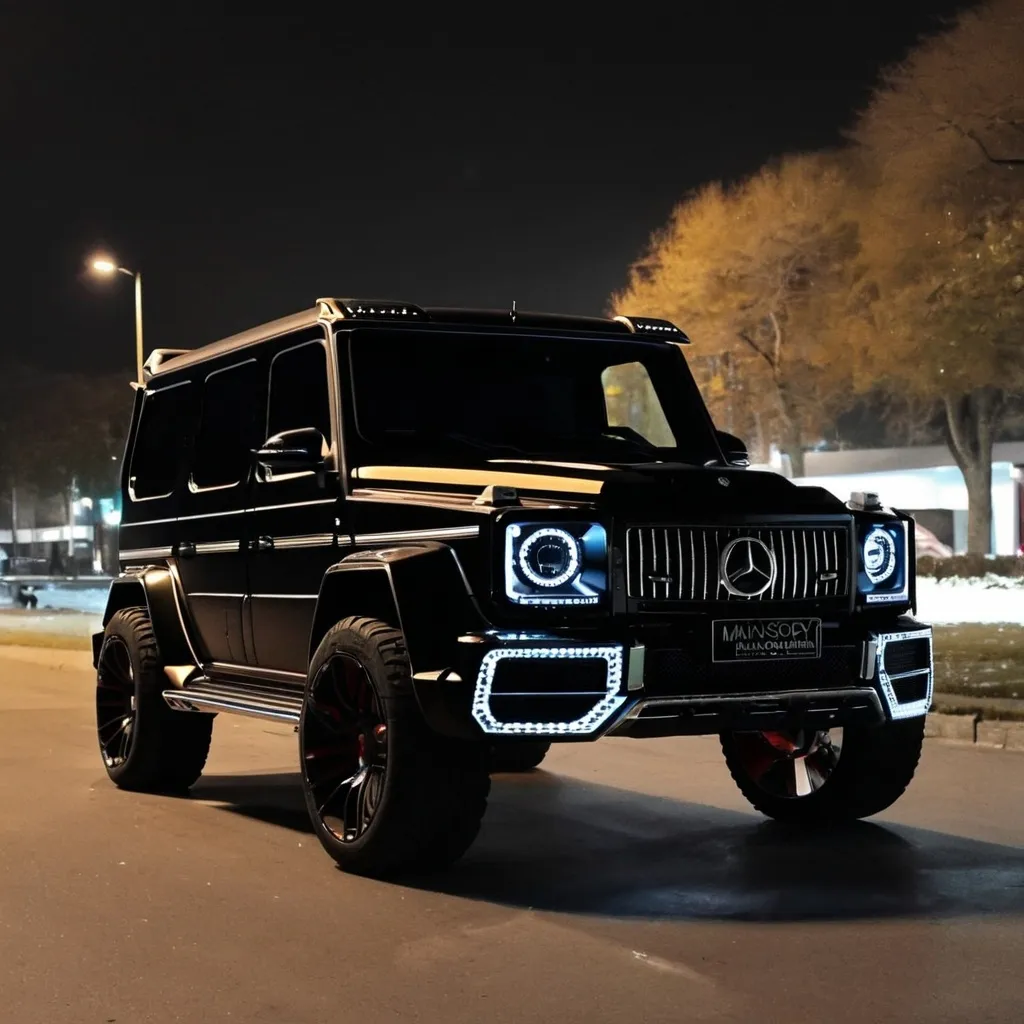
pixel 434 790
pixel 518 756
pixel 875 766
pixel 168 749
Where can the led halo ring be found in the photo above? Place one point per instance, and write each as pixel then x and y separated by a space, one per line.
pixel 883 570
pixel 563 577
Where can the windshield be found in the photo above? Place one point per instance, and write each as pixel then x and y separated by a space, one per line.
pixel 497 396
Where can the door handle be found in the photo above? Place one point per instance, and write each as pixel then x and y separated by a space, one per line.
pixel 264 544
pixel 186 549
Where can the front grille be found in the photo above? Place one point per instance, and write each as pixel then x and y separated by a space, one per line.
pixel 681 563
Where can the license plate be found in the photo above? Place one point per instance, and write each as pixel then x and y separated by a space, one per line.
pixel 765 639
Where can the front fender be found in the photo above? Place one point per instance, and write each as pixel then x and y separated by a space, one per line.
pixel 417 588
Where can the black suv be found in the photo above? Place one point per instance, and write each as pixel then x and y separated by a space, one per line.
pixel 438 540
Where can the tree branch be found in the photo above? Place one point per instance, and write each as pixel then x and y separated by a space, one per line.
pixel 1005 161
pixel 743 336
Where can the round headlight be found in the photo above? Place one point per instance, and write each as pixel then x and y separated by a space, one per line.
pixel 549 557
pixel 879 555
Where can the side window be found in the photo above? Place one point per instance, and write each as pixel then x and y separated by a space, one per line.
pixel 632 402
pixel 165 423
pixel 299 396
pixel 232 402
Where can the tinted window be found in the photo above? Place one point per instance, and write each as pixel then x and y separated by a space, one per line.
pixel 166 421
pixel 298 391
pixel 228 425
pixel 500 396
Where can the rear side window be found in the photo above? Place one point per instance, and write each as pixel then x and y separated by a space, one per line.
pixel 228 424
pixel 299 396
pixel 166 420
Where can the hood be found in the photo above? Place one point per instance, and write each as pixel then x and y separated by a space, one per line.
pixel 650 489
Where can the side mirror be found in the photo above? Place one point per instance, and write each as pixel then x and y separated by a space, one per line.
pixel 292 451
pixel 734 449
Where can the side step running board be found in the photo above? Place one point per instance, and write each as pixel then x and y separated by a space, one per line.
pixel 257 700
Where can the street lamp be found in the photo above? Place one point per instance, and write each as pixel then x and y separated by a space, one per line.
pixel 105 266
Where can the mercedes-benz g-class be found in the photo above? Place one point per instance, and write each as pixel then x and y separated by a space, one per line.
pixel 439 540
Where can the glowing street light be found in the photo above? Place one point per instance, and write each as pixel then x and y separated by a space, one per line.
pixel 106 267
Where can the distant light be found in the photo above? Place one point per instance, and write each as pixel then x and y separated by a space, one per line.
pixel 112 518
pixel 104 266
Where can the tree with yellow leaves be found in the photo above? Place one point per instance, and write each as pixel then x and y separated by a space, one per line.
pixel 750 272
pixel 939 299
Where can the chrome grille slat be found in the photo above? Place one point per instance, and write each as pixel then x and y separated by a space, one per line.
pixel 686 559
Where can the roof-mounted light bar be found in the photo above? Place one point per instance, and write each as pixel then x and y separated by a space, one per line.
pixel 654 328
pixel 369 309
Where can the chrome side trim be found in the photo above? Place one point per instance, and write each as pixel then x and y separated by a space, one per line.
pixel 217 547
pixel 213 593
pixel 306 540
pixel 135 554
pixel 286 597
pixel 185 700
pixel 399 536
pixel 231 512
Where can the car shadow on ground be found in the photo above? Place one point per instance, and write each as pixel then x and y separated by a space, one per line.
pixel 559 844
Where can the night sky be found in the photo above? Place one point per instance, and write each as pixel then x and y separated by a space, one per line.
pixel 248 164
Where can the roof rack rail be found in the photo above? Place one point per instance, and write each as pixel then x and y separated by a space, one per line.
pixel 158 357
pixel 653 327
pixel 369 309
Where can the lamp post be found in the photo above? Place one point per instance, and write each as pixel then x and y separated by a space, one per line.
pixel 105 266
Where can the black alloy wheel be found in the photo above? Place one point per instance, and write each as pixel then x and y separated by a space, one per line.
pixel 789 765
pixel 345 756
pixel 144 744
pixel 115 702
pixel 384 793
pixel 817 777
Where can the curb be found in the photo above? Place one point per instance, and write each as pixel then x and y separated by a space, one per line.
pixel 975 731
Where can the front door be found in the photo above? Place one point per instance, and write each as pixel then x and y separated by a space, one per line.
pixel 294 526
pixel 212 538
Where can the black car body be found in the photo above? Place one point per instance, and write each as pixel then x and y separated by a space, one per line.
pixel 557 569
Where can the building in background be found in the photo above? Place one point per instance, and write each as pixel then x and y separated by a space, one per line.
pixel 58 537
pixel 926 482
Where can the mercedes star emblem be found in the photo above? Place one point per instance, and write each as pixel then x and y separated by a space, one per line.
pixel 747 567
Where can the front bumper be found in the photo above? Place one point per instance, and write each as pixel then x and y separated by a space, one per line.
pixel 578 687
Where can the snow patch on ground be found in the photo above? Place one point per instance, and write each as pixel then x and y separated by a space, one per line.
pixel 984 599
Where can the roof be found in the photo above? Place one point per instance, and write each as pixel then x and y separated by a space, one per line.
pixel 362 312
pixel 883 460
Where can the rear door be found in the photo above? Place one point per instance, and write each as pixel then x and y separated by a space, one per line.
pixel 294 525
pixel 212 548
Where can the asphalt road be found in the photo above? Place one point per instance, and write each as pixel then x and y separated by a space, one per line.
pixel 625 882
